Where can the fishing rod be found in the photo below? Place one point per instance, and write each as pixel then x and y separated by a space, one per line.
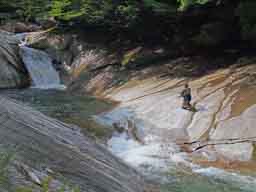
pixel 224 143
pixel 215 142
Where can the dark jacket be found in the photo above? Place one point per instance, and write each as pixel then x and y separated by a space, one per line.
pixel 186 94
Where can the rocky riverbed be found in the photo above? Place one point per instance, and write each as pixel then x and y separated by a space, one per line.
pixel 219 136
pixel 225 111
pixel 151 133
pixel 44 152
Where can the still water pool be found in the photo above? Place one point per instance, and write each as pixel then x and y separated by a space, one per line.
pixel 65 106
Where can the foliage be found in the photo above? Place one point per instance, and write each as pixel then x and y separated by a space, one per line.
pixel 24 189
pixel 247 15
pixel 104 12
pixel 122 15
pixel 161 7
pixel 131 56
pixel 27 9
pixel 46 184
pixel 184 4
pixel 58 8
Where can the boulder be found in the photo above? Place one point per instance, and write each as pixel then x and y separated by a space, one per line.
pixel 12 72
pixel 241 127
pixel 225 101
pixel 51 149
pixel 20 27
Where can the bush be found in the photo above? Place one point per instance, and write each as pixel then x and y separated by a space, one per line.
pixel 247 16
pixel 26 9
pixel 184 4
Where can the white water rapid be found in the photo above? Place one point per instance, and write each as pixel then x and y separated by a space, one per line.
pixel 153 108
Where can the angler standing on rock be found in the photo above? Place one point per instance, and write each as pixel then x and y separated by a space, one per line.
pixel 186 94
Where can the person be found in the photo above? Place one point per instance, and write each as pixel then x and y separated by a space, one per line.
pixel 186 94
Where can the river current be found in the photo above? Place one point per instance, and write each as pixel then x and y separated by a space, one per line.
pixel 174 174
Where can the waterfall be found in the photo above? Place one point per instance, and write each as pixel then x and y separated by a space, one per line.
pixel 40 68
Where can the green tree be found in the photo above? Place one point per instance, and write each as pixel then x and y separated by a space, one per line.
pixel 184 4
pixel 27 9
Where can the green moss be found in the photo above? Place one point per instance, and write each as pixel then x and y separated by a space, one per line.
pixel 184 4
pixel 254 151
pixel 46 187
pixel 24 189
pixel 142 58
pixel 130 56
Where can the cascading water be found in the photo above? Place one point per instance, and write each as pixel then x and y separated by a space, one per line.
pixel 40 68
pixel 153 107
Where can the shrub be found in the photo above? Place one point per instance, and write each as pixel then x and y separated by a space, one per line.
pixel 247 18
pixel 184 4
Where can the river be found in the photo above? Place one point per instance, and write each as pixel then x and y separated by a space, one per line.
pixel 173 175
pixel 64 106
pixel 162 163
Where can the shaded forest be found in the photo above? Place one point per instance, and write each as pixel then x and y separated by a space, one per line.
pixel 187 24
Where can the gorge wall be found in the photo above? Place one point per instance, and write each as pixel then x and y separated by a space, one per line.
pixel 13 73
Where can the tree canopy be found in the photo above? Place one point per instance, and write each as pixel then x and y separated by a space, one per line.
pixel 91 10
pixel 121 14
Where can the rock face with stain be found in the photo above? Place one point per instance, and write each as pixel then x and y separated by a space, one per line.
pixel 47 147
pixel 225 100
pixel 12 71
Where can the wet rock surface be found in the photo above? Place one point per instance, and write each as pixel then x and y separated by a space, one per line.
pixel 12 73
pixel 20 27
pixel 223 124
pixel 50 148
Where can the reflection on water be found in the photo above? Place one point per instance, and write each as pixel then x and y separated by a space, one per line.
pixel 59 104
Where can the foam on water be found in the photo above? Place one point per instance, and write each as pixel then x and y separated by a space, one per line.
pixel 161 121
pixel 156 158
pixel 147 158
